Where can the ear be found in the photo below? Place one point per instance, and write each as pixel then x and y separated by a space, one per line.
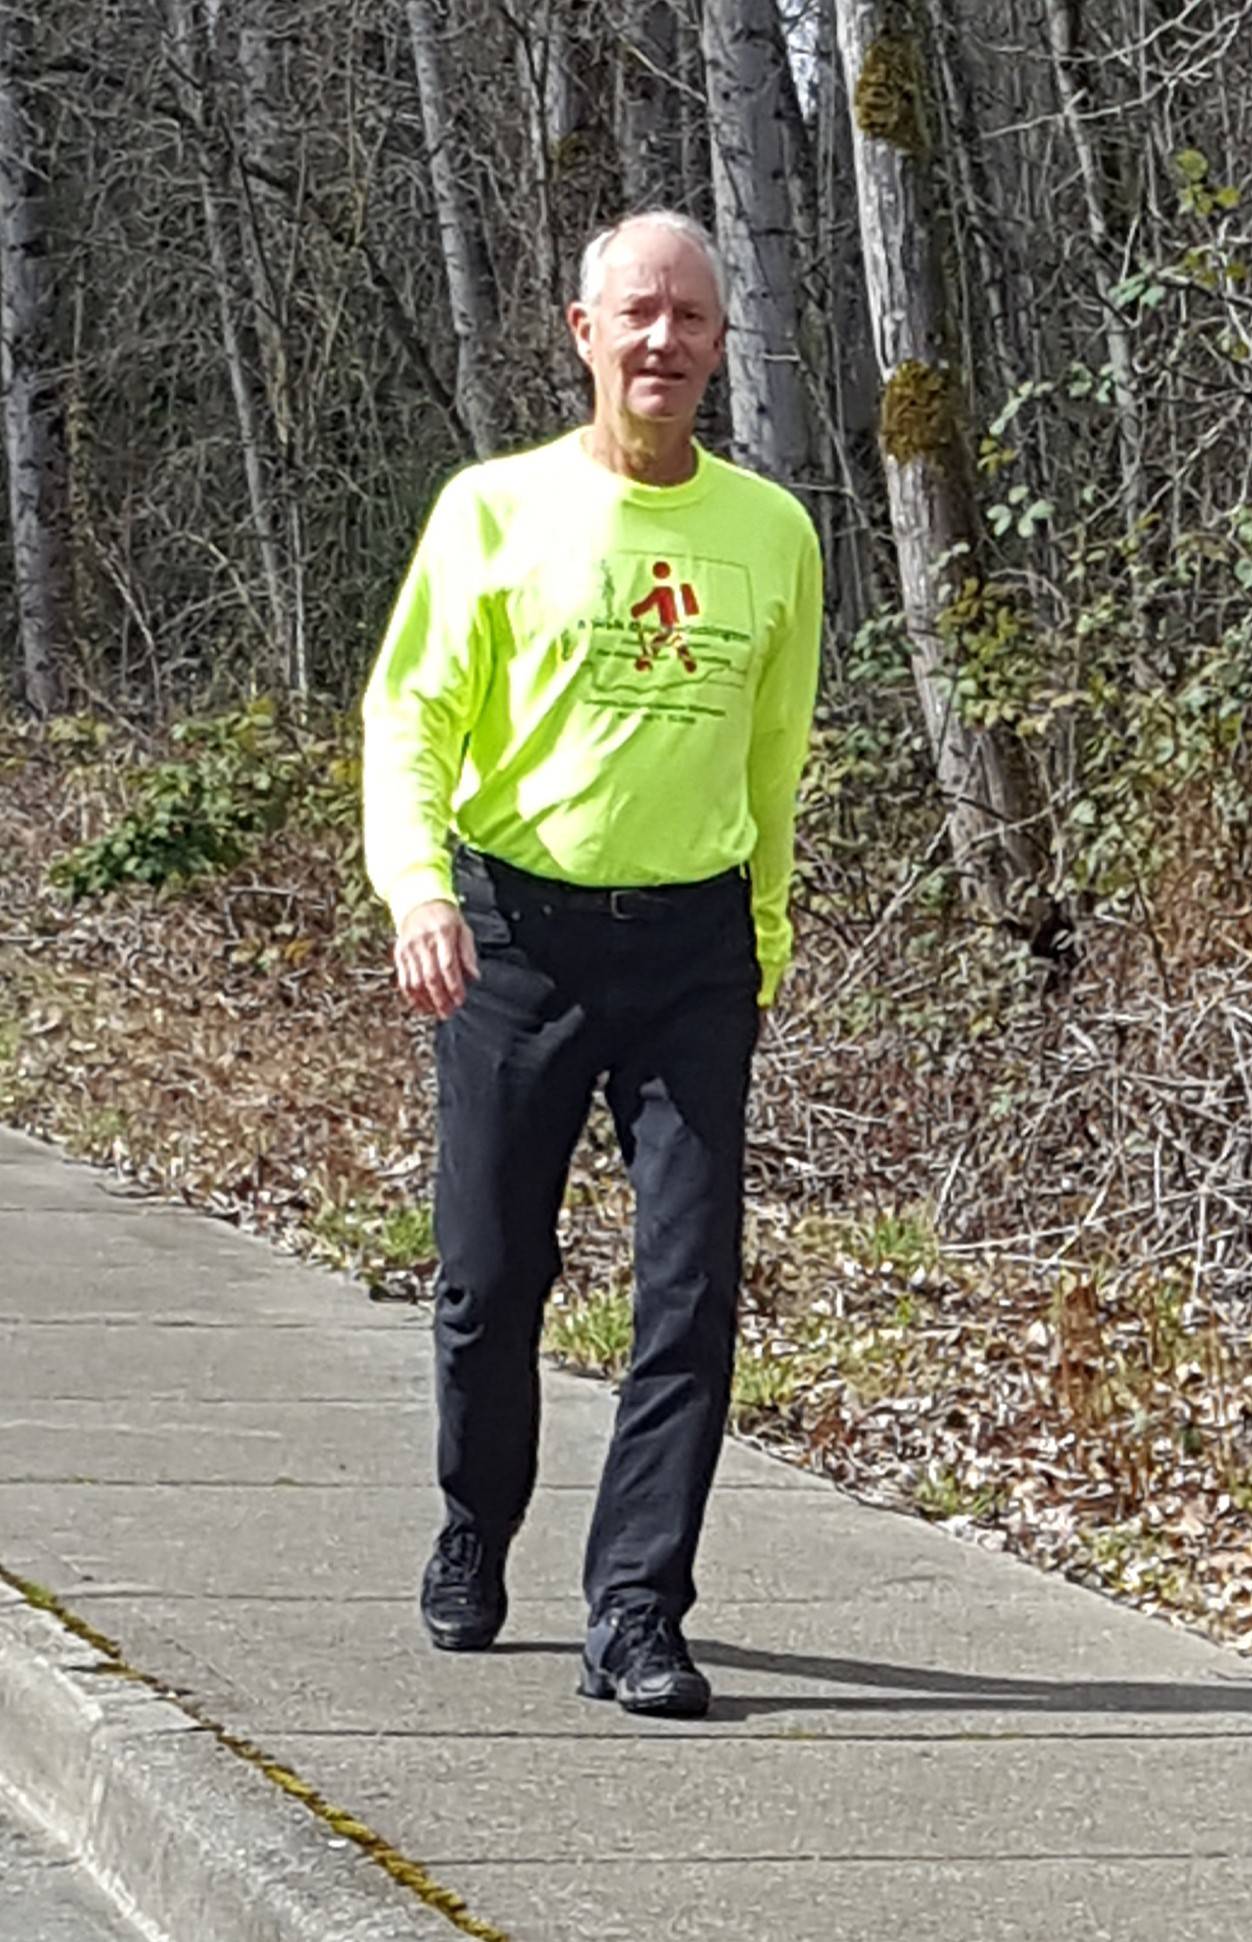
pixel 578 317
pixel 719 344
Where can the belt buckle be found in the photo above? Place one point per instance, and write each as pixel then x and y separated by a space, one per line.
pixel 617 905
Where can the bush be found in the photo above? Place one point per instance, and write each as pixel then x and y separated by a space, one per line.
pixel 208 808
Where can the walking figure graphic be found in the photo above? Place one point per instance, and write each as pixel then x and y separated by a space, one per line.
pixel 664 603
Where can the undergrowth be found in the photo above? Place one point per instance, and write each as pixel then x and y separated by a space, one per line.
pixel 999 1210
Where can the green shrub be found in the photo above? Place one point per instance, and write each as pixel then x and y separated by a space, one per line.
pixel 234 781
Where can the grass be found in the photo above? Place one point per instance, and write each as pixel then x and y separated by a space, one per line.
pixel 594 1333
pixel 387 1235
pixel 941 1494
pixel 259 1074
pixel 902 1238
pixel 97 1132
pixel 764 1383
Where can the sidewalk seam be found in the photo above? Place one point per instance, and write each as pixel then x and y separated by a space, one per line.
pixel 400 1868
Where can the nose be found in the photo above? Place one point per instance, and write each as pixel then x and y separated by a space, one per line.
pixel 660 331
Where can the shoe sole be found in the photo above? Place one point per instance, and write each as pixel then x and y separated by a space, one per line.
pixel 464 1638
pixel 678 1705
pixel 461 1641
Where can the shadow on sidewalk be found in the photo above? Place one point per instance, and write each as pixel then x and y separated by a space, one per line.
pixel 925 1689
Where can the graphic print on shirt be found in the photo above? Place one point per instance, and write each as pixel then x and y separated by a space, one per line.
pixel 671 636
pixel 664 603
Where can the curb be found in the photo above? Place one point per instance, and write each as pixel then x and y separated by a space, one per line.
pixel 190 1841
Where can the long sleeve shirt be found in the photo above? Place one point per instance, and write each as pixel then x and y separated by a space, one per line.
pixel 599 681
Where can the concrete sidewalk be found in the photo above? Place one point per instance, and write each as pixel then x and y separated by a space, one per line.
pixel 220 1459
pixel 45 1898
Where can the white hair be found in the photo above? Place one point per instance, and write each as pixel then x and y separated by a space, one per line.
pixel 591 269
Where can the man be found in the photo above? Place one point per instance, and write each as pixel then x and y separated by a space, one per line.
pixel 599 675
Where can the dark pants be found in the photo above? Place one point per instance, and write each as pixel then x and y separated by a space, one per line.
pixel 656 990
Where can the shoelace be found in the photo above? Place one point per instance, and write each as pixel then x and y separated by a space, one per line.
pixel 460 1560
pixel 656 1637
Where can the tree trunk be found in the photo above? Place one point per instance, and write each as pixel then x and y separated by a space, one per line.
pixel 34 429
pixel 649 110
pixel 843 377
pixel 480 387
pixel 271 265
pixel 744 71
pixel 981 239
pixel 194 37
pixel 982 773
pixel 1074 98
pixel 695 160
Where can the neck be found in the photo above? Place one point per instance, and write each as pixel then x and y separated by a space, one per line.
pixel 660 455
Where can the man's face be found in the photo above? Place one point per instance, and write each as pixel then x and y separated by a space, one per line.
pixel 656 334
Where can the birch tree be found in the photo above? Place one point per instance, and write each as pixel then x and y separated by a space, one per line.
pixel 745 74
pixel 34 436
pixel 981 773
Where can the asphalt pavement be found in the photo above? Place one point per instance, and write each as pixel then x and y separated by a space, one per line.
pixel 217 1460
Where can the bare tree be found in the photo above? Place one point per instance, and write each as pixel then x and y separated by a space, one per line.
pixel 987 268
pixel 745 69
pixel 196 27
pixel 34 433
pixel 481 387
pixel 838 356
pixel 650 106
pixel 256 240
pixel 982 773
pixel 1063 21
pixel 268 238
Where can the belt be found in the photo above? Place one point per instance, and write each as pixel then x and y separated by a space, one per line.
pixel 657 900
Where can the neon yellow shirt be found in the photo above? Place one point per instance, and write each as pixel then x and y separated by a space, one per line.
pixel 598 681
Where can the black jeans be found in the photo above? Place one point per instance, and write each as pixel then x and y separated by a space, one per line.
pixel 656 992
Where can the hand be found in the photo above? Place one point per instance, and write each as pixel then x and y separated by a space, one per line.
pixel 434 956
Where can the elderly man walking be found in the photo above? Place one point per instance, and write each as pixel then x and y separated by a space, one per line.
pixel 598 681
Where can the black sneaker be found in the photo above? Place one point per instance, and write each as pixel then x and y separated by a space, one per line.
pixel 464 1602
pixel 639 1657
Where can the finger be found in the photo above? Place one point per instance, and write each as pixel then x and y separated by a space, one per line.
pixel 433 977
pixel 469 950
pixel 411 978
pixel 448 960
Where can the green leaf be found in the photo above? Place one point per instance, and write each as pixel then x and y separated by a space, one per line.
pixel 1191 165
pixel 1040 509
pixel 1129 289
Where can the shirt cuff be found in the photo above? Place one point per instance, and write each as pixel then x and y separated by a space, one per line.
pixel 771 978
pixel 423 884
